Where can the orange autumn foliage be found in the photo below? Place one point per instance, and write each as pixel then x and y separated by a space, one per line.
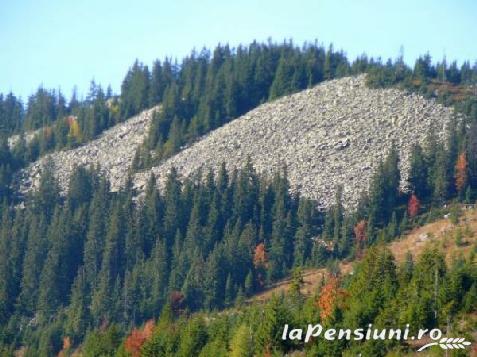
pixel 260 256
pixel 148 329
pixel 413 206
pixel 360 231
pixel 138 337
pixel 461 172
pixel 260 262
pixel 331 297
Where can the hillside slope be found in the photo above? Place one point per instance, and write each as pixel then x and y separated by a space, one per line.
pixel 440 234
pixel 333 134
pixel 113 151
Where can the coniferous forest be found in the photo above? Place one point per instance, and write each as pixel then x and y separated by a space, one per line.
pixel 171 272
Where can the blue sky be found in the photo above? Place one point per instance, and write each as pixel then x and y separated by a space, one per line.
pixel 62 43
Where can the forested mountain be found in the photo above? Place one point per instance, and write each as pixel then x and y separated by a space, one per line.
pixel 93 259
pixel 84 268
pixel 207 89
pixel 328 136
pixel 381 291
pixel 197 95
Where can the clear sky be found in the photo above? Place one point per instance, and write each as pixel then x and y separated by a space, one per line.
pixel 62 43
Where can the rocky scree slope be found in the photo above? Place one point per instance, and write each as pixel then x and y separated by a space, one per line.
pixel 333 134
pixel 113 151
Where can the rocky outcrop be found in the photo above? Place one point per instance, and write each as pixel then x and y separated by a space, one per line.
pixel 333 134
pixel 29 136
pixel 113 151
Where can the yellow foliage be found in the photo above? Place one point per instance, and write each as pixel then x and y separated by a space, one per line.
pixel 114 109
pixel 75 131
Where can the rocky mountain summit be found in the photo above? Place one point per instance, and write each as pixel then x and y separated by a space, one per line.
pixel 333 134
pixel 113 151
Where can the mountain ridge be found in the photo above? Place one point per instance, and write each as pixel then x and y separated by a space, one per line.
pixel 334 134
pixel 331 135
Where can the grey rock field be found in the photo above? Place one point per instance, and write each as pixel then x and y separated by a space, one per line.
pixel 113 151
pixel 335 133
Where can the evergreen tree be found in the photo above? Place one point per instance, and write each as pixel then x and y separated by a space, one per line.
pixel 6 288
pixel 135 90
pixel 77 311
pixel 53 279
pixel 192 339
pixel 242 342
pixel 418 175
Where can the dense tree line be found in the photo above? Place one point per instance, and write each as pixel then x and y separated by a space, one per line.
pixel 207 91
pixel 204 91
pixel 201 93
pixel 59 126
pixel 198 95
pixel 424 293
pixel 46 107
pixel 94 258
pixel 423 72
pixel 450 84
pixel 11 114
pixel 209 88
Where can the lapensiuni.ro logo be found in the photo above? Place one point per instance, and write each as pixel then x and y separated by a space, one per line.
pixel 370 333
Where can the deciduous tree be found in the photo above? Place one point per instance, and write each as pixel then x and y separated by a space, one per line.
pixel 413 206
